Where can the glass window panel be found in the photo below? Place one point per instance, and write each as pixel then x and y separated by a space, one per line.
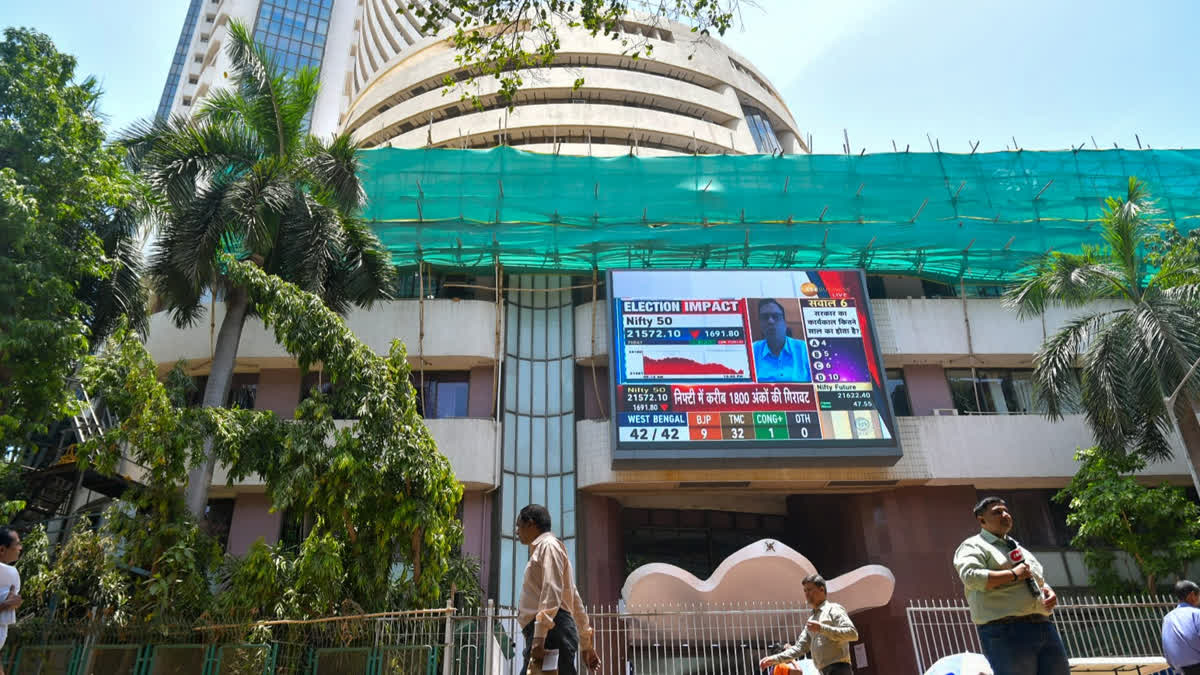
pixel 538 446
pixel 991 385
pixel 524 372
pixel 522 494
pixel 554 498
pixel 452 399
pixel 554 387
pixel 569 505
pixel 510 385
pixel 508 496
pixel 1022 391
pixel 566 315
pixel 538 385
pixel 526 337
pixel 510 442
pixel 538 329
pixel 507 573
pixel 568 445
pixel 523 436
pixel 569 544
pixel 554 445
pixel 566 390
pixel 510 327
pixel 538 493
pixel 539 297
pixel 310 23
pixel 962 389
pixel 897 391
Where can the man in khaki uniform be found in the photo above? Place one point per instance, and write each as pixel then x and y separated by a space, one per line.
pixel 827 634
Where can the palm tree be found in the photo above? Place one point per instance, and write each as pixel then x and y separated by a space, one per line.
pixel 244 175
pixel 1137 350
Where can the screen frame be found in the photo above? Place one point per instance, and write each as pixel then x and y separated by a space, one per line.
pixel 876 452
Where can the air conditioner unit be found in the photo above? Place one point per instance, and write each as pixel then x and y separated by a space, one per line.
pixel 945 411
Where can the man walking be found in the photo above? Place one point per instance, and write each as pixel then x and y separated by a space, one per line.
pixel 827 634
pixel 551 612
pixel 1181 630
pixel 10 582
pixel 1009 599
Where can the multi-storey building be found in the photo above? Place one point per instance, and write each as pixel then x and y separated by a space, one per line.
pixel 513 371
pixel 383 80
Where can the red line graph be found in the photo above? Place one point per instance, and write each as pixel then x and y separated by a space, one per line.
pixel 674 365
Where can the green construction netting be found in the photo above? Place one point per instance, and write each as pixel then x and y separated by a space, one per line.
pixel 978 217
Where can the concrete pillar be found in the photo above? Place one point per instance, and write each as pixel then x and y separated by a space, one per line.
pixel 252 518
pixel 927 388
pixel 278 391
pixel 743 142
pixel 481 401
pixel 602 557
pixel 477 532
pixel 911 531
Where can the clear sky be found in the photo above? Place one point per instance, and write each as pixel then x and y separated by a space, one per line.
pixel 1050 73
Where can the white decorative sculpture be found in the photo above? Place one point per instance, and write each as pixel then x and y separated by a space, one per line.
pixel 765 572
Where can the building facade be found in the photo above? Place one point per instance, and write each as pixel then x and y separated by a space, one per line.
pixel 519 402
pixel 958 372
pixel 382 79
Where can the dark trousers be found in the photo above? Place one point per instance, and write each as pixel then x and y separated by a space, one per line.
pixel 1191 670
pixel 840 668
pixel 564 637
pixel 1024 648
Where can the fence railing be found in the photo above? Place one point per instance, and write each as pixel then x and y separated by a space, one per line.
pixel 1091 627
pixel 725 640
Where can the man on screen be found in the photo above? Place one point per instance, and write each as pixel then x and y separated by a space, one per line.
pixel 777 357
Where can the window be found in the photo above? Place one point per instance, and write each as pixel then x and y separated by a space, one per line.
pixel 875 287
pixel 897 391
pixel 193 79
pixel 992 390
pixel 442 394
pixel 936 289
pixel 218 518
pixel 760 128
pixel 242 391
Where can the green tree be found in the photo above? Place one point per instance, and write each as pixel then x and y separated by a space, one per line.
pixel 505 39
pixel 1135 340
pixel 69 251
pixel 1158 527
pixel 377 489
pixel 379 481
pixel 244 175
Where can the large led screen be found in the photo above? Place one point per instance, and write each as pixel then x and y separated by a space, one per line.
pixel 747 364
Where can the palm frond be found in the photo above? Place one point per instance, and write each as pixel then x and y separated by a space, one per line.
pixel 260 82
pixel 335 167
pixel 1056 385
pixel 1105 387
pixel 1069 280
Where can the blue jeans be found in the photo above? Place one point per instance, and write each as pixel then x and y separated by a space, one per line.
pixel 1024 648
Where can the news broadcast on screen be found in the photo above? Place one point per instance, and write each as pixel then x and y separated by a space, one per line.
pixel 766 363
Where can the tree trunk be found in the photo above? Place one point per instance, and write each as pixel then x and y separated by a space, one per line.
pixel 1189 429
pixel 216 391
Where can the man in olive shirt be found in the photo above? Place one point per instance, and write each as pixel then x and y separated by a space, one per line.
pixel 827 634
pixel 1009 600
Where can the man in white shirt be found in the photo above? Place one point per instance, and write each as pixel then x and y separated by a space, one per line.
pixel 10 581
pixel 550 611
